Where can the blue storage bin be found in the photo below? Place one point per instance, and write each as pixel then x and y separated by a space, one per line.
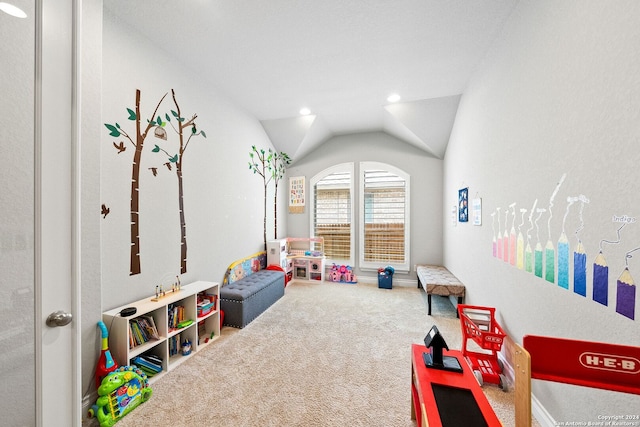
pixel 385 280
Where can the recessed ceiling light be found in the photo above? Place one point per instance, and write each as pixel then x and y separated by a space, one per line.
pixel 305 112
pixel 12 10
pixel 394 97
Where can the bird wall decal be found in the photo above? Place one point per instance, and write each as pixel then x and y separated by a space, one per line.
pixel 120 147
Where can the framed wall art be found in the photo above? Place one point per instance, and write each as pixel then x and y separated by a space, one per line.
pixel 476 205
pixel 296 194
pixel 463 205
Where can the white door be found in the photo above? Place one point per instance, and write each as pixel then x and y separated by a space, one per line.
pixel 40 364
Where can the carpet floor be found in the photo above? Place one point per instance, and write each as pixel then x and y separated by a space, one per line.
pixel 326 354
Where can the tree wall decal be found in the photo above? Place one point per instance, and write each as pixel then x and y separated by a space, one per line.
pixel 279 163
pixel 115 130
pixel 262 167
pixel 176 160
pixel 270 166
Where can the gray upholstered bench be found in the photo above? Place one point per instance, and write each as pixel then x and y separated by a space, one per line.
pixel 246 299
pixel 437 280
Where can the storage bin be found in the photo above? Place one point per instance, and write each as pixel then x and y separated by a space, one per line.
pixel 385 280
pixel 204 309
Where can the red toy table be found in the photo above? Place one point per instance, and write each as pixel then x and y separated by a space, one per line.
pixel 447 399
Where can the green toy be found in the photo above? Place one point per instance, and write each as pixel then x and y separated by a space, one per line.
pixel 120 392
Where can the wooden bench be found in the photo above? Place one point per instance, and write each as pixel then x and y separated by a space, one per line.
pixel 437 280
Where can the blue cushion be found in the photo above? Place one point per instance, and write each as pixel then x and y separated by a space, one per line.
pixel 250 285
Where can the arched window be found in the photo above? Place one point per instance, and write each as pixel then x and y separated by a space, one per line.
pixel 331 216
pixel 384 216
pixel 381 226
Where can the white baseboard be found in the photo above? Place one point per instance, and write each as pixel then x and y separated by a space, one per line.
pixel 541 414
pixel 396 282
pixel 537 410
pixel 87 402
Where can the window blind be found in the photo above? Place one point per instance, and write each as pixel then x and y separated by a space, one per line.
pixel 332 214
pixel 384 217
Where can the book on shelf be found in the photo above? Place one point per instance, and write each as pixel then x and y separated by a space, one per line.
pixel 142 361
pixel 150 364
pixel 175 315
pixel 137 334
pixel 174 345
pixel 143 329
pixel 150 327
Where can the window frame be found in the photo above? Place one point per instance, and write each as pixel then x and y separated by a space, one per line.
pixel 342 168
pixel 369 265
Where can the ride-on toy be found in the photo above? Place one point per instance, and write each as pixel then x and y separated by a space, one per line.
pixel 121 392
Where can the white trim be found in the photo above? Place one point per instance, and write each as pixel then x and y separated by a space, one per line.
pixel 541 414
pixel 37 213
pixel 342 167
pixel 362 264
pixel 76 212
pixel 537 410
pixel 57 120
pixel 400 283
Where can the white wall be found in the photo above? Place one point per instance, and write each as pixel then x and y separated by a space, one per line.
pixel 559 93
pixel 223 199
pixel 426 189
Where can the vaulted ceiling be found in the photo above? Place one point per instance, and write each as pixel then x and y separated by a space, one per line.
pixel 341 59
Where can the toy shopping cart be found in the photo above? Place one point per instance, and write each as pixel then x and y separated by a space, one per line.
pixel 479 324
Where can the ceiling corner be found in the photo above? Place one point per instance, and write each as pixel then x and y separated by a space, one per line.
pixel 426 123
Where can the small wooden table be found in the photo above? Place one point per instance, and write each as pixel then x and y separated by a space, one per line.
pixel 437 280
pixel 442 398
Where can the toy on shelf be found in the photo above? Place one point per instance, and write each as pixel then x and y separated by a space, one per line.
pixel 342 274
pixel 479 324
pixel 161 292
pixel 186 348
pixel 121 392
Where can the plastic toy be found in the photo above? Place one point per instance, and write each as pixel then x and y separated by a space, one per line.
pixel 479 324
pixel 342 274
pixel 121 392
pixel 186 347
pixel 106 363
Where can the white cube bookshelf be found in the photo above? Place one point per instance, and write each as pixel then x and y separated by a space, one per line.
pixel 203 331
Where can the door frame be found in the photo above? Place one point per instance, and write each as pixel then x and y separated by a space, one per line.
pixel 58 364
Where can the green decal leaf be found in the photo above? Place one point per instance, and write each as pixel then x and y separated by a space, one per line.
pixel 174 114
pixel 203 134
pixel 166 116
pixel 156 149
pixel 117 125
pixel 181 119
pixel 159 120
pixel 132 114
pixel 153 123
pixel 174 159
pixel 193 130
pixel 113 130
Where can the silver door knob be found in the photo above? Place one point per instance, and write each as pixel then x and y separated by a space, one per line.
pixel 59 318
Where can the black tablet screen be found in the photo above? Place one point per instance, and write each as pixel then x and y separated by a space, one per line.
pixel 457 407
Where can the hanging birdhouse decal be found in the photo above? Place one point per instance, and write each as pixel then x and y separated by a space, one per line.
pixel 159 132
